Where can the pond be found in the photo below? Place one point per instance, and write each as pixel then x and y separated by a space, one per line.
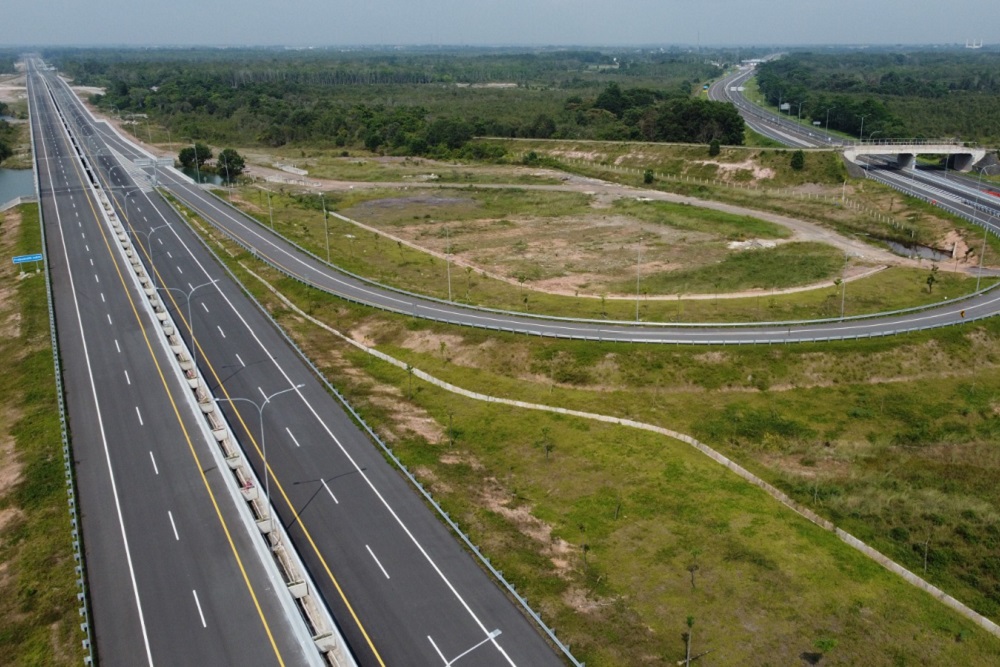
pixel 205 177
pixel 16 183
pixel 917 250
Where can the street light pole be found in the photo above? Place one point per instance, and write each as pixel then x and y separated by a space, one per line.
pixel 982 254
pixel 197 171
pixel 326 226
pixel 447 257
pixel 263 442
pixel 861 135
pixel 270 210
pixel 149 244
pixel 638 260
pixel 190 322
pixel 828 140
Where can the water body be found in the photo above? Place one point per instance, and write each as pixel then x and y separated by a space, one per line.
pixel 917 250
pixel 213 179
pixel 16 183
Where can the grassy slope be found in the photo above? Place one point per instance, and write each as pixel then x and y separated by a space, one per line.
pixel 38 605
pixel 768 586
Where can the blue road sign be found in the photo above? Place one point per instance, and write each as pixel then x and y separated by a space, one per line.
pixel 24 259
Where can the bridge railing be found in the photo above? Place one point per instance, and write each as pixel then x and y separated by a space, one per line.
pixel 889 141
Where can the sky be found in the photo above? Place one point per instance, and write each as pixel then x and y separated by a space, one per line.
pixel 496 22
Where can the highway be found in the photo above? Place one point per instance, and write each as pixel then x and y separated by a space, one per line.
pixel 311 270
pixel 173 576
pixel 401 587
pixel 952 191
pixel 403 591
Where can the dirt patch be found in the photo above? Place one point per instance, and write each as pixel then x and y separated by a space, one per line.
pixel 758 172
pixel 428 342
pixel 403 202
pixel 807 466
pixel 577 598
pixel 561 553
pixel 407 419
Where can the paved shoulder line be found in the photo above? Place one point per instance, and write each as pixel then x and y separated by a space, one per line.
pixel 719 458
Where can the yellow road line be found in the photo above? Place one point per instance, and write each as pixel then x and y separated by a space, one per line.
pixel 187 437
pixel 239 415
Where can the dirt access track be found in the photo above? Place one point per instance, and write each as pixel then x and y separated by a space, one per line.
pixel 875 258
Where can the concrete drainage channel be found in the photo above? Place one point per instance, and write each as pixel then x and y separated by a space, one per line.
pixel 331 647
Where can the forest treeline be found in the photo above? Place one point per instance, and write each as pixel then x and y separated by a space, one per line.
pixel 905 94
pixel 8 134
pixel 414 104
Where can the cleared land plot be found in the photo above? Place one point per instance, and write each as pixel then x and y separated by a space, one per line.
pixel 582 245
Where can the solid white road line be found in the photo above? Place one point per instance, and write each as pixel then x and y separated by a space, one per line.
pixel 100 426
pixel 198 604
pixel 443 659
pixel 372 553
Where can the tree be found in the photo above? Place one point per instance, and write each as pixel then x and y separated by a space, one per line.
pixel 932 278
pixel 199 153
pixel 714 148
pixel 648 176
pixel 5 151
pixel 231 163
pixel 798 160
pixel 543 127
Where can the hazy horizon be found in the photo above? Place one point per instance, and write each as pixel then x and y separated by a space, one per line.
pixel 496 23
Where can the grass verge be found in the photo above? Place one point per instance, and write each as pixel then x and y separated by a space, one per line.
pixel 619 536
pixel 38 606
pixel 300 219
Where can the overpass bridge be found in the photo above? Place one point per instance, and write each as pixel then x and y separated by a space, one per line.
pixel 960 157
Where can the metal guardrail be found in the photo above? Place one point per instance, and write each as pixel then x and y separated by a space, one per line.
pixel 83 596
pixel 540 317
pixel 723 342
pixel 483 559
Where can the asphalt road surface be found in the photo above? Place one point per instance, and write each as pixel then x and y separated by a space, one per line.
pixel 173 575
pixel 401 587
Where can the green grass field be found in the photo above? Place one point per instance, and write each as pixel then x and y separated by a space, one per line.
pixel 618 536
pixel 300 218
pixel 39 624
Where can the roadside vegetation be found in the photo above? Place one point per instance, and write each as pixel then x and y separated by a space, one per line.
pixel 618 536
pixel 353 100
pixel 15 140
pixel 622 539
pixel 39 623
pixel 901 93
pixel 504 241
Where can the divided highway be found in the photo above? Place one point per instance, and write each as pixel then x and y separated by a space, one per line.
pixel 953 191
pixel 311 270
pixel 174 577
pixel 396 580
pixel 402 589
